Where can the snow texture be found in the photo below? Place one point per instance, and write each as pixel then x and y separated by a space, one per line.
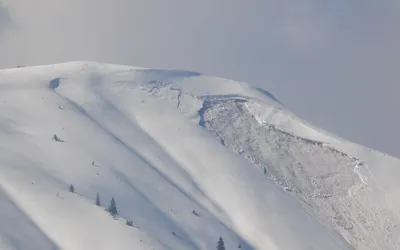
pixel 183 156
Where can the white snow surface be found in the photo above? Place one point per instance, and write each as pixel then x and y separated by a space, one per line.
pixel 166 143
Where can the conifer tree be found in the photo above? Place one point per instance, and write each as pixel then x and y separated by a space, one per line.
pixel 221 244
pixel 112 209
pixel 98 199
pixel 71 188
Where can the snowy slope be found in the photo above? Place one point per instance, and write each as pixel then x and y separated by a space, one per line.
pixel 134 134
pixel 349 188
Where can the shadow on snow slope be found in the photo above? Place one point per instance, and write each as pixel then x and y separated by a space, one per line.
pixel 161 214
pixel 19 230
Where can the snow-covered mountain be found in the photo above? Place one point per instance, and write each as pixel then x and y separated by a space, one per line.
pixel 187 157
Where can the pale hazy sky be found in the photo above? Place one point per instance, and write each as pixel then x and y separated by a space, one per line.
pixel 335 63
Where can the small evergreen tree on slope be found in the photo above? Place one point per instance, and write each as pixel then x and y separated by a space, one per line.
pixel 98 199
pixel 220 244
pixel 112 209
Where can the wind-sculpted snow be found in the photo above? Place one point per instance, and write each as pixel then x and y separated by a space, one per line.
pixel 133 134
